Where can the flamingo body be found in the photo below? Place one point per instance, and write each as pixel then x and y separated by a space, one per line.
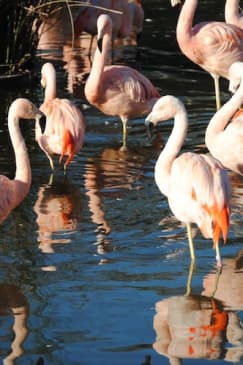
pixel 65 125
pixel 196 185
pixel 117 90
pixel 214 46
pixel 12 192
pixel 223 133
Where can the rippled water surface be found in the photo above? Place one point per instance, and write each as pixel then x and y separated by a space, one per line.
pixel 94 266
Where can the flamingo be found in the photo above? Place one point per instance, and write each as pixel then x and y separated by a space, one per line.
pixel 117 90
pixel 12 192
pixel 65 124
pixel 86 21
pixel 221 134
pixel 232 13
pixel 196 185
pixel 136 14
pixel 214 46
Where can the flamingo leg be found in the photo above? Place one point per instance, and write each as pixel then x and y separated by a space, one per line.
pixel 191 246
pixel 189 279
pixel 51 162
pixel 124 137
pixel 218 256
pixel 217 91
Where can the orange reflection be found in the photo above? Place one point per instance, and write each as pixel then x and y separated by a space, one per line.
pixel 192 326
pixel 58 210
pixel 200 326
pixel 229 287
pixel 15 303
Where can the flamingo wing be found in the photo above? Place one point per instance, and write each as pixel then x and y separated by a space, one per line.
pixel 199 192
pixel 64 130
pixel 12 192
pixel 130 82
pixel 215 41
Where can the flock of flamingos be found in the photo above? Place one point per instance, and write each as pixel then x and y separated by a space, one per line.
pixel 196 185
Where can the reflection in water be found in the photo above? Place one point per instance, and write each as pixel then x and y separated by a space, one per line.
pixel 12 301
pixel 110 173
pixel 77 65
pixel 58 210
pixel 230 283
pixel 202 326
pixel 194 327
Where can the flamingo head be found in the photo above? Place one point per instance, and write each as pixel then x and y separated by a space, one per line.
pixel 235 72
pixel 104 26
pixel 164 109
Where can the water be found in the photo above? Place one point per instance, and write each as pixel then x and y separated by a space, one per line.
pixel 94 265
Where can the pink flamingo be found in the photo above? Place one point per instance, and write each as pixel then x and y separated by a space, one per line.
pixel 12 192
pixel 65 125
pixel 214 46
pixel 86 21
pixel 233 15
pixel 221 134
pixel 117 90
pixel 138 16
pixel 196 185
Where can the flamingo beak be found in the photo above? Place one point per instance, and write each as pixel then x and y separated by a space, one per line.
pixel 99 44
pixel 149 126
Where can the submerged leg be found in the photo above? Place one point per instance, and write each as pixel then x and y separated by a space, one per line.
pixel 217 91
pixel 191 247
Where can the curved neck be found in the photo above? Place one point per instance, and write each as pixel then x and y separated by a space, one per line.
pixel 172 148
pixel 93 82
pixel 232 11
pixel 100 58
pixel 23 169
pixel 185 22
pixel 223 115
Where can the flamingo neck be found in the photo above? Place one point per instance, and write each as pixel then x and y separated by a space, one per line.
pixel 222 117
pixel 23 169
pixel 232 11
pixel 50 89
pixel 171 150
pixel 100 59
pixel 185 22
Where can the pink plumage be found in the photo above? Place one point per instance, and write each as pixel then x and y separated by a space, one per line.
pixel 214 46
pixel 117 90
pixel 65 124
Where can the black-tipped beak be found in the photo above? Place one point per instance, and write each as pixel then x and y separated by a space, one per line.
pixel 99 44
pixel 42 121
pixel 149 127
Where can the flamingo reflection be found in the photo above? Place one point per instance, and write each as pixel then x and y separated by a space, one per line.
pixel 197 326
pixel 229 288
pixel 58 210
pixel 109 174
pixel 13 301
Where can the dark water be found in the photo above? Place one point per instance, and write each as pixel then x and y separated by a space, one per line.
pixel 94 267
